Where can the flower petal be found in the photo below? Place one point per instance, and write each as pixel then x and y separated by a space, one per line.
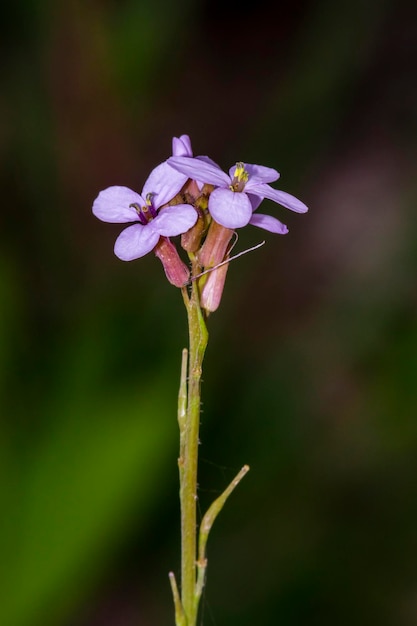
pixel 261 173
pixel 257 174
pixel 181 146
pixel 255 201
pixel 164 183
pixel 174 220
pixel 197 169
pixel 112 205
pixel 135 241
pixel 229 208
pixel 267 222
pixel 281 197
pixel 206 159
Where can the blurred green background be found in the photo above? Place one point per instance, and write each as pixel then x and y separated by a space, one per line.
pixel 311 371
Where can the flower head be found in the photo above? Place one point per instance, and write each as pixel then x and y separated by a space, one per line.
pixel 122 205
pixel 238 194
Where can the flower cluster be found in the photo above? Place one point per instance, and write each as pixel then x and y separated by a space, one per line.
pixel 195 198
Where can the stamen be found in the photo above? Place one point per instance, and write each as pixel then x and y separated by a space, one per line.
pixel 141 214
pixel 240 170
pixel 150 206
pixel 240 177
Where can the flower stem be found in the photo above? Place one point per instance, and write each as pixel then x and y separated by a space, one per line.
pixel 188 461
pixel 192 570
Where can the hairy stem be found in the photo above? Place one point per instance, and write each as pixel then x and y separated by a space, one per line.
pixel 193 571
pixel 188 461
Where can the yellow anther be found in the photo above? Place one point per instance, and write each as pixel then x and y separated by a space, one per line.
pixel 241 174
pixel 149 198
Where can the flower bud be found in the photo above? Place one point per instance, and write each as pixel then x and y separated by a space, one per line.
pixel 175 269
pixel 191 240
pixel 212 291
pixel 213 250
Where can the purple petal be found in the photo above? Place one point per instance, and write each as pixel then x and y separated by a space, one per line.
pixel 281 197
pixel 267 222
pixel 255 201
pixel 229 208
pixel 174 220
pixel 165 183
pixel 257 174
pixel 197 169
pixel 181 146
pixel 112 205
pixel 207 159
pixel 135 241
pixel 261 173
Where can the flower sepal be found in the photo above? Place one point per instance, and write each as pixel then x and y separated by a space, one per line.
pixel 175 269
pixel 212 291
pixel 214 248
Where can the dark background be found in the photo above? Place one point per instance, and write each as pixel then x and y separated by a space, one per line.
pixel 311 371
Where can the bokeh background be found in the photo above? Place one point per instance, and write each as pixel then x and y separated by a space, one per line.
pixel 311 371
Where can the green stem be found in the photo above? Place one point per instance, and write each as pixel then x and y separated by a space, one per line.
pixel 192 570
pixel 188 461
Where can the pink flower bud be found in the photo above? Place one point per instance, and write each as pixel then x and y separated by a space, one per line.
pixel 214 248
pixel 175 270
pixel 212 291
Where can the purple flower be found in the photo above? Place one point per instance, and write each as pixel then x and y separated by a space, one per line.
pixel 238 194
pixel 121 205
